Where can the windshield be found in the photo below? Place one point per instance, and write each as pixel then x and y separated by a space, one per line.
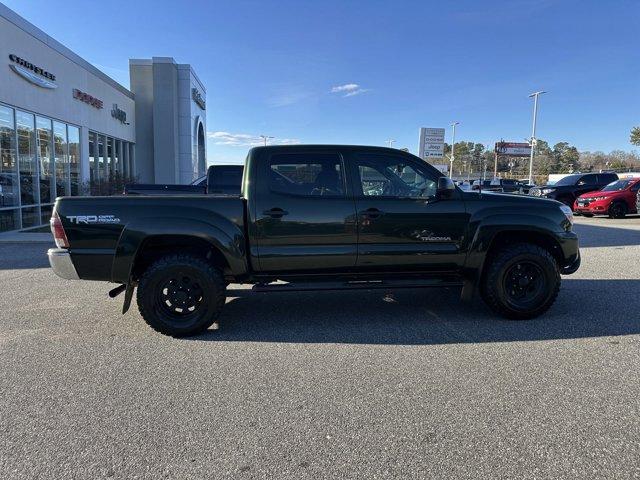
pixel 617 185
pixel 568 180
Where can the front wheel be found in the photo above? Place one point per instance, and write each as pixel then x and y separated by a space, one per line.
pixel 617 210
pixel 521 282
pixel 180 295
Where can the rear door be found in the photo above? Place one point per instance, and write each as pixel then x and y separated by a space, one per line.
pixel 402 225
pixel 305 215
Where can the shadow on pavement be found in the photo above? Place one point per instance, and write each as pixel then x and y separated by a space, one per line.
pixel 24 255
pixel 596 236
pixel 424 317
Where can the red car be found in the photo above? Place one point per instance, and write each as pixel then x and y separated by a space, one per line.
pixel 616 199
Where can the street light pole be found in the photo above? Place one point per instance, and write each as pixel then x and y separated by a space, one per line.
pixel 265 138
pixel 535 96
pixel 453 147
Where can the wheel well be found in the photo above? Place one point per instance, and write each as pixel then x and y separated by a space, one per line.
pixel 156 247
pixel 509 237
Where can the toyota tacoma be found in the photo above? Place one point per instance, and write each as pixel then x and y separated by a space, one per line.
pixel 317 217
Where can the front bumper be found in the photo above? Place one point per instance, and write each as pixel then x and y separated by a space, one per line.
pixel 570 261
pixel 60 261
pixel 571 267
pixel 595 208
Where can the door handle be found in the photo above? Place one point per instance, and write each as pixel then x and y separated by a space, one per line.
pixel 372 213
pixel 275 213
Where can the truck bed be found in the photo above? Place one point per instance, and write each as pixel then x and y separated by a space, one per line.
pixel 103 230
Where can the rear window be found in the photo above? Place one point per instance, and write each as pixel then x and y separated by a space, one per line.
pixel 231 177
pixel 314 174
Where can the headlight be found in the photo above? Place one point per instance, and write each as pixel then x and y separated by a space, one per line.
pixel 567 213
pixel 545 191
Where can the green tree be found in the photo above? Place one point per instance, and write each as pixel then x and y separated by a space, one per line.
pixel 635 136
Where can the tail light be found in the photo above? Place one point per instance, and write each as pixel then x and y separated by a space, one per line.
pixel 58 231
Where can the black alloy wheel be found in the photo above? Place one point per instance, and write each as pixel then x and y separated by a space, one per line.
pixel 523 283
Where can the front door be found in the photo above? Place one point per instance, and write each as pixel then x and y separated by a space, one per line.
pixel 305 217
pixel 402 224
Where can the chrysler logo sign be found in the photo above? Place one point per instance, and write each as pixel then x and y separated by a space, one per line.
pixel 32 73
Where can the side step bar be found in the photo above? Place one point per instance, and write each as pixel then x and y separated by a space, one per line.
pixel 358 285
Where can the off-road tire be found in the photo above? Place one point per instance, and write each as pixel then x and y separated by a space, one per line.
pixel 495 292
pixel 207 303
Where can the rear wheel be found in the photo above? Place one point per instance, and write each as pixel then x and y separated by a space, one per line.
pixel 617 210
pixel 181 295
pixel 521 282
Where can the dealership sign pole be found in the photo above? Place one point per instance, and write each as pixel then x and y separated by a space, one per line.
pixel 535 96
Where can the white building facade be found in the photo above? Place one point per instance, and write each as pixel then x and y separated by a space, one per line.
pixel 66 128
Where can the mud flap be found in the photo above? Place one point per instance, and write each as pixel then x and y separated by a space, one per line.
pixel 128 295
pixel 468 290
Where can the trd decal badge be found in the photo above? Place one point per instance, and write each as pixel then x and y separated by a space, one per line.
pixel 93 219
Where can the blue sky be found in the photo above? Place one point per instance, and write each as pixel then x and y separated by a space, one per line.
pixel 276 67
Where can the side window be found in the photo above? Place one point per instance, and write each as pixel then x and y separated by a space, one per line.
pixel 608 178
pixel 316 174
pixel 588 180
pixel 393 177
pixel 635 187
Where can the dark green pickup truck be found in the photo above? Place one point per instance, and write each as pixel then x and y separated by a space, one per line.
pixel 317 217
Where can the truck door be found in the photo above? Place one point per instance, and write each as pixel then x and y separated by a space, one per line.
pixel 305 215
pixel 402 225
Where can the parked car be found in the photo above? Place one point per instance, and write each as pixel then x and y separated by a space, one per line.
pixel 569 188
pixel 504 185
pixel 319 217
pixel 219 179
pixel 616 199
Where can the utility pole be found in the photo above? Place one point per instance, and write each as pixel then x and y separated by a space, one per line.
pixel 390 142
pixel 535 96
pixel 453 147
pixel 265 138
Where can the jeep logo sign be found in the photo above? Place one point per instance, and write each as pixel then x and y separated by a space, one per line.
pixel 118 114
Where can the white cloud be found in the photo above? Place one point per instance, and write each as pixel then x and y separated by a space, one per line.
pixel 349 89
pixel 247 140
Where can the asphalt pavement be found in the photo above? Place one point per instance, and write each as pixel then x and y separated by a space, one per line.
pixel 360 384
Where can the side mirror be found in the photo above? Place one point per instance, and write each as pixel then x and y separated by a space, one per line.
pixel 446 188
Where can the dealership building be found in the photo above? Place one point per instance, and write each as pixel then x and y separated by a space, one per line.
pixel 66 127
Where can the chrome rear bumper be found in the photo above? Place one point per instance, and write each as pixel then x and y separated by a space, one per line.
pixel 60 261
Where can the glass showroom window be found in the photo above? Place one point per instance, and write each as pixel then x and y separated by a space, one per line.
pixel 27 158
pixel 9 196
pixel 101 159
pixel 47 185
pixel 110 160
pixel 74 159
pixel 62 159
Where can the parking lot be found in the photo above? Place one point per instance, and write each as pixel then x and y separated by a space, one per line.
pixel 360 384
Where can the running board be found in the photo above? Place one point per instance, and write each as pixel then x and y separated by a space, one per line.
pixel 358 285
